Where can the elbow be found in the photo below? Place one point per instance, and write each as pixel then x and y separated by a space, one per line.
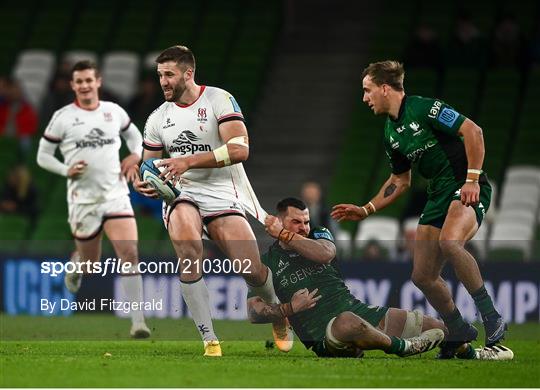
pixel 327 259
pixel 242 154
pixel 237 153
pixel 327 256
pixel 39 159
pixel 252 312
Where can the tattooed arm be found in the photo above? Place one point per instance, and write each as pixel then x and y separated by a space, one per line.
pixel 260 312
pixel 396 185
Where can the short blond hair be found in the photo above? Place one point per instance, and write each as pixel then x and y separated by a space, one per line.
pixel 387 72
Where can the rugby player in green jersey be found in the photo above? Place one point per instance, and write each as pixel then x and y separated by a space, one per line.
pixel 323 313
pixel 448 149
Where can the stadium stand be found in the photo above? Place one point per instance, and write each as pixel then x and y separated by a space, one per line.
pixel 235 44
pixel 383 229
pixel 34 69
pixel 525 145
pixel 134 27
pixel 51 25
pixel 74 56
pixel 14 21
pixel 460 89
pixel 94 27
pixel 515 225
pixel 120 72
pixel 497 116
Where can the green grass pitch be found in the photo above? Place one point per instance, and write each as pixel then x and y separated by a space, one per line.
pixel 74 352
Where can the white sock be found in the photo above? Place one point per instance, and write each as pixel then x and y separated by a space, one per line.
pixel 197 299
pixel 266 291
pixel 133 289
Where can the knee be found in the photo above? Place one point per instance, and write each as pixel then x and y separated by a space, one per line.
pixel 421 280
pixel 433 323
pixel 188 249
pixel 347 326
pixel 129 254
pixel 449 246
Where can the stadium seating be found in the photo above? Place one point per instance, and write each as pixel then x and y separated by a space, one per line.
pixel 95 23
pixel 343 243
pixel 133 31
pixel 177 26
pixel 13 227
pixel 496 117
pixel 525 145
pixel 34 69
pixel 74 56
pixel 383 229
pixel 120 72
pixel 233 43
pixel 15 230
pixel 515 225
pixel 250 52
pixel 15 16
pixel 49 28
pixel 460 89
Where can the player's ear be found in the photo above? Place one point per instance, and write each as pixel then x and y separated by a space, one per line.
pixel 188 74
pixel 385 90
pixel 98 81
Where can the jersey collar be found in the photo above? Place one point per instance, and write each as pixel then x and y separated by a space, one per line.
pixel 401 110
pixel 76 102
pixel 203 87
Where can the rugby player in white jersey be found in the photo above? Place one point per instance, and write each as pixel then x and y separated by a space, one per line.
pixel 88 133
pixel 202 129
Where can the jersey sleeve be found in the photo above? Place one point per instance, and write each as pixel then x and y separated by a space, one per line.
pixel 264 260
pixel 54 132
pixel 442 117
pixel 226 108
pixel 151 137
pixel 125 120
pixel 321 233
pixel 398 162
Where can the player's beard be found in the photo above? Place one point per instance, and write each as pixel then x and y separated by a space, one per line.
pixel 177 92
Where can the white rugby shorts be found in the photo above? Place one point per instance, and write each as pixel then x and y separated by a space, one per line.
pixel 86 220
pixel 211 201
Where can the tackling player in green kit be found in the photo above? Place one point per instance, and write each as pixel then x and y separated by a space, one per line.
pixel 323 313
pixel 448 149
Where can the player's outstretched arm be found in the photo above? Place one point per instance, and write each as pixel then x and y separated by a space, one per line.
pixel 260 312
pixel 234 150
pixel 319 251
pixel 396 185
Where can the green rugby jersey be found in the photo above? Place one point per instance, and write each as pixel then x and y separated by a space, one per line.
pixel 426 133
pixel 292 272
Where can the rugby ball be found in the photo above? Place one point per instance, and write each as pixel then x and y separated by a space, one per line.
pixel 150 173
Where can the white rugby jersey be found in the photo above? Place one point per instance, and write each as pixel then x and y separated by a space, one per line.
pixel 184 130
pixel 92 136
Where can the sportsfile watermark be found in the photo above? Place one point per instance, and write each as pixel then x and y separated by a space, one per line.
pixel 116 266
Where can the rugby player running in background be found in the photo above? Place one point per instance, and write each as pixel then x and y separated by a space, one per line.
pixel 88 133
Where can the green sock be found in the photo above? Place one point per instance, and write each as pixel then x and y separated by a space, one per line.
pixel 397 346
pixel 454 321
pixel 483 302
pixel 469 353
